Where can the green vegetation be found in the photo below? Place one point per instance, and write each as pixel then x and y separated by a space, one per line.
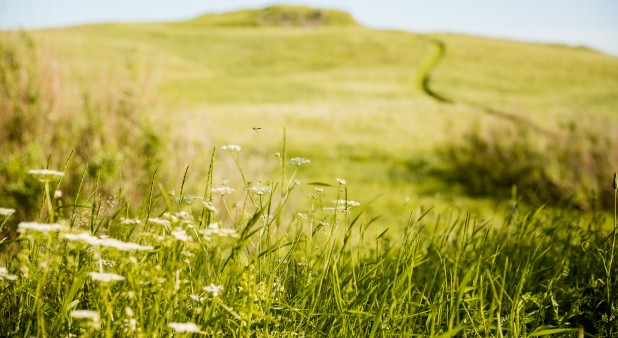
pixel 243 263
pixel 145 231
pixel 568 168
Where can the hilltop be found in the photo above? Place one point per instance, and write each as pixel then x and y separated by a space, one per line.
pixel 277 16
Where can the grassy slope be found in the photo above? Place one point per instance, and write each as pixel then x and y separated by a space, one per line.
pixel 347 96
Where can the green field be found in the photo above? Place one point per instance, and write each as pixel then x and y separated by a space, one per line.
pixel 348 97
pixel 376 108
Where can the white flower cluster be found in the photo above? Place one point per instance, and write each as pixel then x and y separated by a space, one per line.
pixel 298 161
pixel 46 175
pixel 6 211
pixel 184 327
pixel 346 203
pixel 188 199
pixel 260 190
pixel 129 221
pixel 214 230
pixel 105 277
pixel 159 221
pixel 181 235
pixel 4 274
pixel 222 191
pixel 40 227
pixel 91 316
pixel 107 242
pixel 213 289
pixel 231 148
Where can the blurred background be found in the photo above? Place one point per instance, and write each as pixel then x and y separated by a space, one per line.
pixel 472 105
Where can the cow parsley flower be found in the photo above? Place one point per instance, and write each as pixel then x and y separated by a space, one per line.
pixel 184 327
pixel 91 316
pixel 188 199
pixel 231 148
pixel 346 203
pixel 46 175
pixel 40 227
pixel 105 277
pixel 4 274
pixel 260 190
pixel 160 221
pixel 222 191
pixel 129 221
pixel 214 230
pixel 181 235
pixel 213 289
pixel 6 212
pixel 341 181
pixel 210 206
pixel 107 242
pixel 298 161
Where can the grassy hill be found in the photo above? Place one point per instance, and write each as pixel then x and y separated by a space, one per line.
pixel 241 243
pixel 351 99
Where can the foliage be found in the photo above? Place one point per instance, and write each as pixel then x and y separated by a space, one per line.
pixel 572 166
pixel 102 136
pixel 242 263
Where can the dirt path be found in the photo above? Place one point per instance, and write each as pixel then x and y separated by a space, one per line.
pixel 437 54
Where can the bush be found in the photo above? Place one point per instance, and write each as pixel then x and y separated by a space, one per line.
pixel 571 167
pixel 105 134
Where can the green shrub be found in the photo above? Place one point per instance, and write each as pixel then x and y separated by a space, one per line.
pixel 570 167
pixel 107 134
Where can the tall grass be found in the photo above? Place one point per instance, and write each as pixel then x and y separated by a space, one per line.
pixel 99 131
pixel 243 263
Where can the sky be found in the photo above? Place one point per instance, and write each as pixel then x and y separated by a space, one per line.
pixel 592 23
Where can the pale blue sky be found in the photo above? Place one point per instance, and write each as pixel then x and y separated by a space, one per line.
pixel 592 23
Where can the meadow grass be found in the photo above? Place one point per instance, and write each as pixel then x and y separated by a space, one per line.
pixel 351 96
pixel 255 241
pixel 243 262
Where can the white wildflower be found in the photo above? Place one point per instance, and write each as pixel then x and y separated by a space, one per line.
pixel 183 215
pixel 298 161
pixel 319 189
pixel 231 148
pixel 123 246
pixel 4 274
pixel 260 190
pixel 184 327
pixel 89 315
pixel 210 206
pixel 347 203
pixel 105 277
pixel 159 221
pixel 40 227
pixel 6 211
pixel 46 175
pixel 188 199
pixel 197 298
pixel 181 235
pixel 222 191
pixel 214 230
pixel 213 289
pixel 57 194
pixel 341 181
pixel 333 209
pixel 107 242
pixel 82 237
pixel 129 221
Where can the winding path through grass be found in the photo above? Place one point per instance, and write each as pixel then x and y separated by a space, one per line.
pixel 437 54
